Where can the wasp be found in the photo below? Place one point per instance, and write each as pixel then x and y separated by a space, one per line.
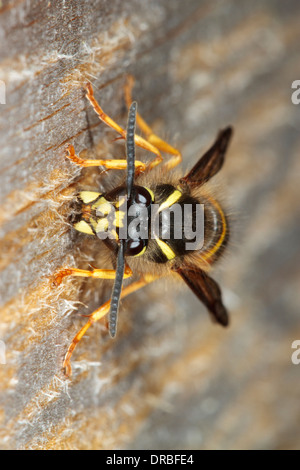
pixel 149 254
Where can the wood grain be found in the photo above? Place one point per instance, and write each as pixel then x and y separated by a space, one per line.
pixel 171 379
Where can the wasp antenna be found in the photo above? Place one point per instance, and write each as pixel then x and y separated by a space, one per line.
pixel 116 293
pixel 130 153
pixel 130 148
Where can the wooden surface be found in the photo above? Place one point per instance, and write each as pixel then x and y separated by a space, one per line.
pixel 171 379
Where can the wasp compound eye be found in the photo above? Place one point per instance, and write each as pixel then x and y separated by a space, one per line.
pixel 135 247
pixel 142 196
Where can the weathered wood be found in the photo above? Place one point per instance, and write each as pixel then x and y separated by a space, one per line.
pixel 171 379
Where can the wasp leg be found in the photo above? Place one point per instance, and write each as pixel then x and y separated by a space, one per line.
pixel 95 273
pixel 140 141
pixel 150 136
pixel 108 164
pixel 97 315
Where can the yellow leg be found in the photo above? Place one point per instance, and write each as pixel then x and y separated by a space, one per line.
pixel 108 164
pixel 150 136
pixel 145 144
pixel 95 273
pixel 97 315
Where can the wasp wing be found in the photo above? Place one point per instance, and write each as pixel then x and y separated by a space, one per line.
pixel 206 289
pixel 211 162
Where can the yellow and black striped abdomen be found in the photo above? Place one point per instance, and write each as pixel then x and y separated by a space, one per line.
pixel 216 230
pixel 172 241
